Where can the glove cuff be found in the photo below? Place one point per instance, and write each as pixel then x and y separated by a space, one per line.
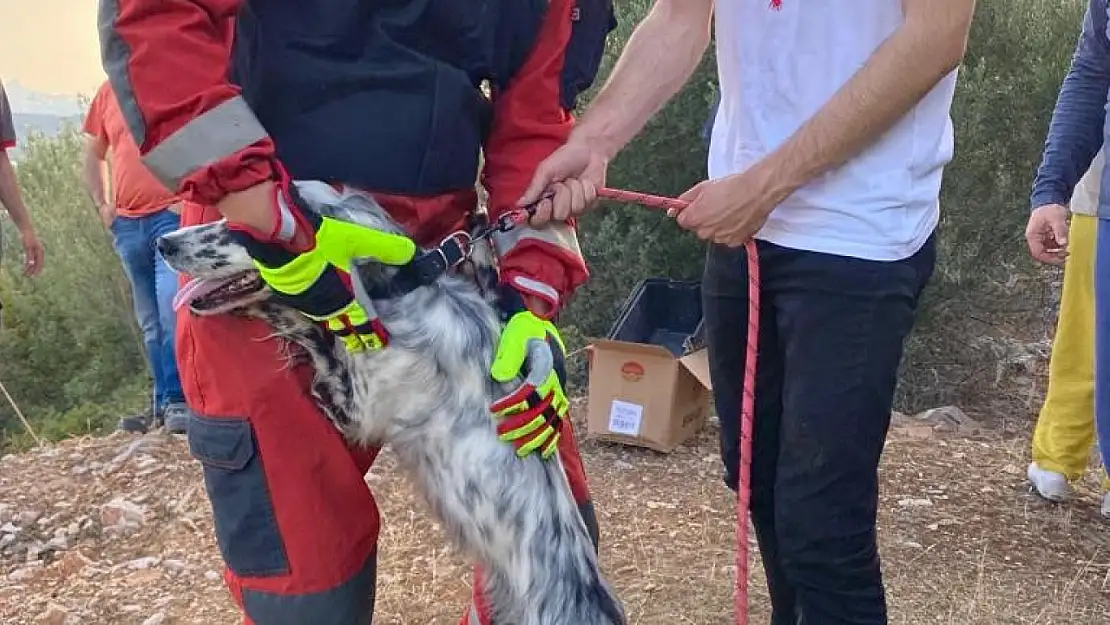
pixel 282 244
pixel 324 297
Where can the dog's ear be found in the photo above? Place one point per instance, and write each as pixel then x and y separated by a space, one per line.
pixel 482 269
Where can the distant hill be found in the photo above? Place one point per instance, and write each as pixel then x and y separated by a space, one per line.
pixel 23 100
pixel 30 124
pixel 41 113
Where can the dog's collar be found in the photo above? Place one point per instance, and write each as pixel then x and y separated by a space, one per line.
pixel 424 269
pixel 430 265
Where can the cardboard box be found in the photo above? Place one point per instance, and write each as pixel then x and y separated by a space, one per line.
pixel 649 379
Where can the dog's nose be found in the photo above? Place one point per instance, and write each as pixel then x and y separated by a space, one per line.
pixel 166 247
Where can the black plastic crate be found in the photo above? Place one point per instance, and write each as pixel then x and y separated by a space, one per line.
pixel 662 312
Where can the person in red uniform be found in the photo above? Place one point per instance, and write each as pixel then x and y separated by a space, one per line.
pixel 229 100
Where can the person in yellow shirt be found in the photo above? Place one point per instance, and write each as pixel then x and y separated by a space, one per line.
pixel 1065 429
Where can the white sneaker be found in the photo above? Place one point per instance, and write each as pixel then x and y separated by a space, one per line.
pixel 1106 505
pixel 1051 485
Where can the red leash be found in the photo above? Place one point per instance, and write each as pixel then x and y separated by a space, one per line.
pixel 747 407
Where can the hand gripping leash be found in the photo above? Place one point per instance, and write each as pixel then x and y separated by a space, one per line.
pixel 747 408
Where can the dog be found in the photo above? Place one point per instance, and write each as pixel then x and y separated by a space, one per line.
pixel 427 395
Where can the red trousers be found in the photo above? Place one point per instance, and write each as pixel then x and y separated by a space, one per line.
pixel 296 523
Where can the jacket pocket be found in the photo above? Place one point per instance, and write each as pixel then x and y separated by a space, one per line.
pixel 243 511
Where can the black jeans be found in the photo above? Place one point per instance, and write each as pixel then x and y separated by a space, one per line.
pixel 832 330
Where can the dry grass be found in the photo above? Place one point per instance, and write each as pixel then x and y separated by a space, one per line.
pixel 962 540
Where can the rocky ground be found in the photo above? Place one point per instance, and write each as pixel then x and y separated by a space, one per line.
pixel 117 531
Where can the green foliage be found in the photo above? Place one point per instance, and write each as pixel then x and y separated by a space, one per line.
pixel 71 354
pixel 69 343
pixel 987 301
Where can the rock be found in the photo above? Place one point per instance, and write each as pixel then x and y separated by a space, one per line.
pixel 34 550
pixel 6 513
pixel 156 619
pixel 9 528
pixel 949 419
pixel 54 615
pixel 914 503
pixel 138 446
pixel 143 563
pixel 122 515
pixel 58 543
pixel 212 576
pixel 25 573
pixel 27 517
pixel 71 563
pixel 143 577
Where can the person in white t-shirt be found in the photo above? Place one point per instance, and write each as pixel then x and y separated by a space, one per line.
pixel 828 147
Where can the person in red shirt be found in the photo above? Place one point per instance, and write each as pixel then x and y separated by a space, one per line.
pixel 411 101
pixel 138 211
pixel 10 195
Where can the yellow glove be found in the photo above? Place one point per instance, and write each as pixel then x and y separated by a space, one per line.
pixel 313 279
pixel 531 416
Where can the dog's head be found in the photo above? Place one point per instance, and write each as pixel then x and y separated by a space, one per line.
pixel 223 276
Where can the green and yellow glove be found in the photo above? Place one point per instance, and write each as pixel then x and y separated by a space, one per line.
pixel 312 277
pixel 531 417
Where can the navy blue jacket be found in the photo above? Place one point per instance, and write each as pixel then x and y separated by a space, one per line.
pixel 315 72
pixel 1078 127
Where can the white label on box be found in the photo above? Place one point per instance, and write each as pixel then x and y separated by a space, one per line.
pixel 625 418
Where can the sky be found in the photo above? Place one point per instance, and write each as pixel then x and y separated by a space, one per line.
pixel 50 45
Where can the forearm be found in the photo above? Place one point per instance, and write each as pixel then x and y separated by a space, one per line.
pixel 10 195
pixel 660 56
pixel 195 132
pixel 92 176
pixel 898 75
pixel 1075 133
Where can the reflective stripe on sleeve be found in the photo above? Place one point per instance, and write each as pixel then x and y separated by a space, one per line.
pixel 214 135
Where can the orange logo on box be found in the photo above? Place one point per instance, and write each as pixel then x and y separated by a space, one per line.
pixel 632 371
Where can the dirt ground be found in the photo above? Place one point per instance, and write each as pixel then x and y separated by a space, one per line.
pixel 117 531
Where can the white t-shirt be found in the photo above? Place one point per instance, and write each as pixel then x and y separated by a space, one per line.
pixel 777 67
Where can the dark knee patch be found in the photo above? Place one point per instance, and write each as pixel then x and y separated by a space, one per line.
pixel 243 512
pixel 350 603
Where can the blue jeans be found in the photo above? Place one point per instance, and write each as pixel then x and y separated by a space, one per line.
pixel 153 285
pixel 831 332
pixel 1102 341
